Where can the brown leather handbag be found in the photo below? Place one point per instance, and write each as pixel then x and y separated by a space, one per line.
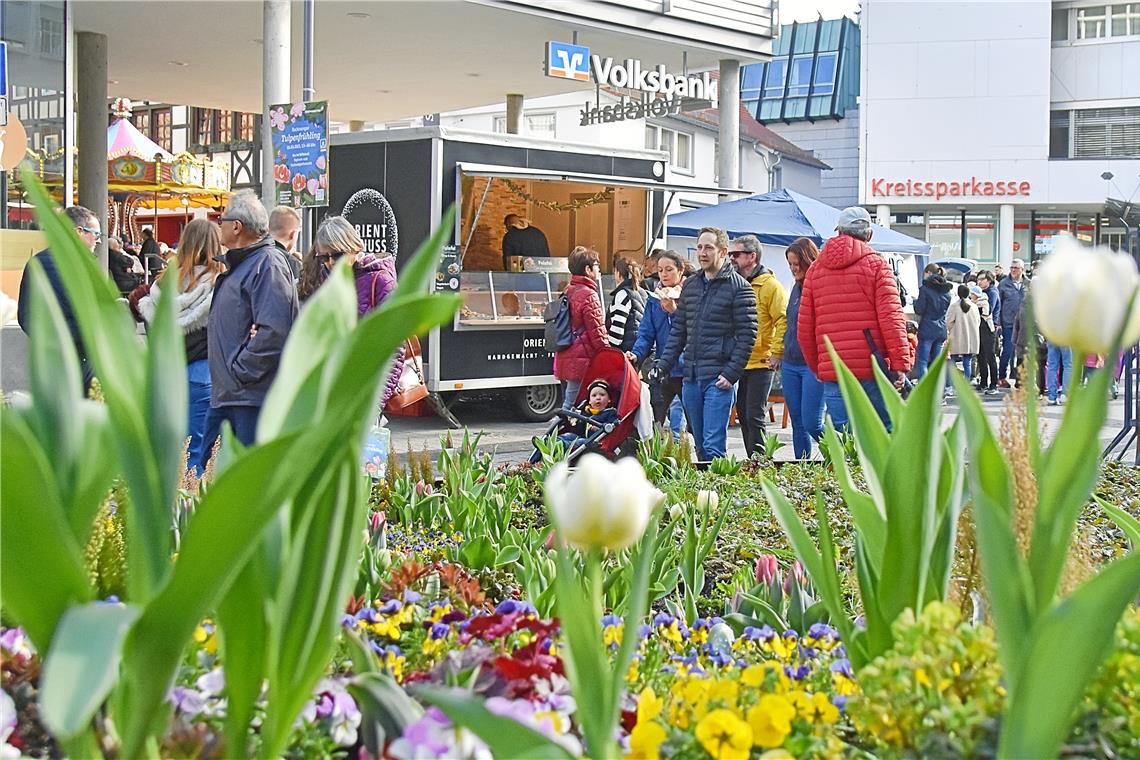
pixel 412 387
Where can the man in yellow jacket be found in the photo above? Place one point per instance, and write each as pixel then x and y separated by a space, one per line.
pixel 771 307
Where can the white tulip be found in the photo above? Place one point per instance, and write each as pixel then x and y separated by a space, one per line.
pixel 603 504
pixel 1080 296
pixel 708 499
pixel 676 511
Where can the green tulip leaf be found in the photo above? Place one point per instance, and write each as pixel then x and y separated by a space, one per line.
pixel 1126 522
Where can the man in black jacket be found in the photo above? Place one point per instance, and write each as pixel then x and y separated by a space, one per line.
pixel 121 265
pixel 522 239
pixel 930 307
pixel 715 326
pixel 87 227
pixel 253 309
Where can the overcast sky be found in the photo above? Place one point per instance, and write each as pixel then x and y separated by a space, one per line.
pixel 809 10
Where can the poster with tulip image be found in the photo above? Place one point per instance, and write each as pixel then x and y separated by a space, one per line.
pixel 300 153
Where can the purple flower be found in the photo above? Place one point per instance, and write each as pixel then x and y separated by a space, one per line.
pixel 391 607
pixel 439 631
pixel 411 597
pixel 843 667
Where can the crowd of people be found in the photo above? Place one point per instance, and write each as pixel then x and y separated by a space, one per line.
pixel 237 283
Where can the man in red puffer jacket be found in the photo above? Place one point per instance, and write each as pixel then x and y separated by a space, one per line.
pixel 850 297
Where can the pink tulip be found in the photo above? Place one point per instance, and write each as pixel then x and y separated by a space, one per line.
pixel 797 575
pixel 766 568
pixel 375 522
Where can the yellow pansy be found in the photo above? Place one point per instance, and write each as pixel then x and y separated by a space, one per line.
pixel 771 720
pixel 645 741
pixel 725 736
pixel 753 675
pixel 649 705
pixel 724 690
pixel 822 710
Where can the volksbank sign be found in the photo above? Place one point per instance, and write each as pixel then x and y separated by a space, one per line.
pixel 566 61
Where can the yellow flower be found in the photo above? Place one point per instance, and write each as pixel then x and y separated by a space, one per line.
pixel 777 754
pixel 801 701
pixel 753 675
pixel 724 690
pixel 611 635
pixel 725 736
pixel 922 678
pixel 204 635
pixel 645 740
pixel 771 720
pixel 632 674
pixel 648 705
pixel 844 686
pixel 823 711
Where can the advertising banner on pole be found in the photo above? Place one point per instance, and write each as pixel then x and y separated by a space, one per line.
pixel 301 153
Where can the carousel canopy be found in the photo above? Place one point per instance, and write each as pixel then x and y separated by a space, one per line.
pixel 123 140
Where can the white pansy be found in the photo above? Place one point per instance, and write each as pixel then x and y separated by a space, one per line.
pixel 603 504
pixel 1080 296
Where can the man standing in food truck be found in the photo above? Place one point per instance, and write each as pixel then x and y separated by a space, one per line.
pixel 715 326
pixel 522 239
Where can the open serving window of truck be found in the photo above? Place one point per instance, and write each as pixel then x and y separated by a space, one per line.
pixel 393 186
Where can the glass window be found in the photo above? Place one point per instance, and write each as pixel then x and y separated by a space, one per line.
pixel 944 233
pixel 825 73
pixel 225 126
pixel 799 79
pixel 51 37
pixel 1092 22
pixel 1125 19
pixel 203 121
pixel 162 129
pixel 245 128
pixel 774 81
pixel 1106 132
pixel 1059 122
pixel 1060 24
pixel 499 124
pixel 751 81
pixel 650 137
pixel 981 237
pixel 684 151
pixel 141 120
pixel 540 125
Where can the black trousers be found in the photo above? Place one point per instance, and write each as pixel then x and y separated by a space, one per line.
pixel 752 407
pixel 987 359
pixel 661 397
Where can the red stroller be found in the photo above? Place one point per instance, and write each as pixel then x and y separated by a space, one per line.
pixel 611 439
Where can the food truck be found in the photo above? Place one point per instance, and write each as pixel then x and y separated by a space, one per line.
pixel 395 185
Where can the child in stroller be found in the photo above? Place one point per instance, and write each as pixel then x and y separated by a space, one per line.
pixel 598 407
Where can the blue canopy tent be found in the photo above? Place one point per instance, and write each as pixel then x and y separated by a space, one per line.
pixel 781 216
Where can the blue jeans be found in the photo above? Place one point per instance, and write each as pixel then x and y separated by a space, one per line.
pixel 1056 359
pixel 243 420
pixel 837 410
pixel 708 409
pixel 967 367
pixel 927 348
pixel 803 394
pixel 676 415
pixel 1007 353
pixel 198 375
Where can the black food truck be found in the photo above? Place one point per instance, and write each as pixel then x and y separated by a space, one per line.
pixel 394 186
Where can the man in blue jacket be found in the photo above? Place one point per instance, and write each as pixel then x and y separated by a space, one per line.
pixel 255 303
pixel 87 227
pixel 715 327
pixel 1011 292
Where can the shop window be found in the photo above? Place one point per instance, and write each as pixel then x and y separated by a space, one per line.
pixel 774 81
pixel 799 78
pixel 162 129
pixel 825 73
pixel 1092 23
pixel 981 237
pixel 1060 24
pixel 1059 123
pixel 51 37
pixel 944 233
pixel 1125 19
pixel 246 126
pixel 225 127
pixel 1106 132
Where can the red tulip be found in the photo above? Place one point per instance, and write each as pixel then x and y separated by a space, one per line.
pixel 766 568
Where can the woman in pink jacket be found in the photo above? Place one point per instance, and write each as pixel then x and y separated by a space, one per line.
pixel 586 321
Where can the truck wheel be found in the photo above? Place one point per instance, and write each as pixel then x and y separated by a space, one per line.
pixel 538 402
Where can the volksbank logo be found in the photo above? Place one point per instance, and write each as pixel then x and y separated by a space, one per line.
pixel 567 61
pixel 575 62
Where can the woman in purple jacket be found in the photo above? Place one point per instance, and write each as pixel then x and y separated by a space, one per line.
pixel 375 277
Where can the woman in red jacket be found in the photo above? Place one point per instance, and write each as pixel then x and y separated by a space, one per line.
pixel 851 298
pixel 586 322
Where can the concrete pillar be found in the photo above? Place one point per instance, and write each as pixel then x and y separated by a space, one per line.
pixel 883 215
pixel 514 113
pixel 1005 235
pixel 728 98
pixel 276 35
pixel 92 93
pixel 356 125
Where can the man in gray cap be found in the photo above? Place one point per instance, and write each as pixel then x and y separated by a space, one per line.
pixel 850 297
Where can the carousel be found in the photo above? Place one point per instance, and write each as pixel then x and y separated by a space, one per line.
pixel 143 177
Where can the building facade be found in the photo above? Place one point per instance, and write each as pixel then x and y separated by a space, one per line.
pixel 808 93
pixel 989 128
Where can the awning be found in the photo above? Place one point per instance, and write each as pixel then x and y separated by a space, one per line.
pixel 522 172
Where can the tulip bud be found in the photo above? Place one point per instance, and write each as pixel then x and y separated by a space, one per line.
pixel 766 568
pixel 1080 296
pixel 676 511
pixel 708 499
pixel 375 521
pixel 796 575
pixel 603 504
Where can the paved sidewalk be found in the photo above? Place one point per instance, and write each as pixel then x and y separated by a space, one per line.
pixel 510 439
